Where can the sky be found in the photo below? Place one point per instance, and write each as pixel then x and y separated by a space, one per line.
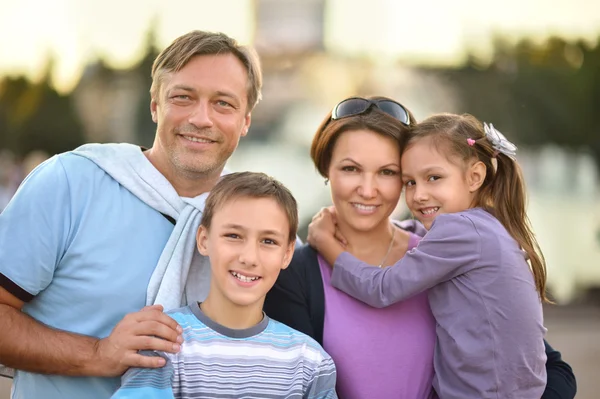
pixel 426 31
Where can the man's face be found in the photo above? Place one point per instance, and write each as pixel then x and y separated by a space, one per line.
pixel 248 245
pixel 201 112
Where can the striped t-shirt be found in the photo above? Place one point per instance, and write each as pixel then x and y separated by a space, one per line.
pixel 269 360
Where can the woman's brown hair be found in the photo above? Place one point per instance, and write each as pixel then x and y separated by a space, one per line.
pixel 372 119
pixel 503 191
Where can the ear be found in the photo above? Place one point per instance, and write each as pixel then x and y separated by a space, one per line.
pixel 153 106
pixel 246 126
pixel 202 240
pixel 289 254
pixel 476 175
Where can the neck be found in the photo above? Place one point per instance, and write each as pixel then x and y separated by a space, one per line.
pixel 189 184
pixel 230 315
pixel 368 246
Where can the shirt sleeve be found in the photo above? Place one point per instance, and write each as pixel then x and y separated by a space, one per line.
pixel 322 385
pixel 142 383
pixel 33 230
pixel 450 248
pixel 561 380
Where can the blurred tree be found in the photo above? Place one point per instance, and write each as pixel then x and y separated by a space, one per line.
pixel 145 127
pixel 541 93
pixel 34 116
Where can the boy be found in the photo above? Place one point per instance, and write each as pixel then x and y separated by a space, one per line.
pixel 231 349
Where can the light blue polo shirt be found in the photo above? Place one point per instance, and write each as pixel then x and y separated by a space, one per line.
pixel 80 249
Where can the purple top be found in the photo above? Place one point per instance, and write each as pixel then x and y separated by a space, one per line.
pixel 482 294
pixel 379 353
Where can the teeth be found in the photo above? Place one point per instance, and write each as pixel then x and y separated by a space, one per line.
pixel 430 211
pixel 196 140
pixel 365 207
pixel 244 278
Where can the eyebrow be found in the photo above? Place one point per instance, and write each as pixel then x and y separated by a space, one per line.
pixel 179 87
pixel 383 166
pixel 190 88
pixel 227 94
pixel 432 169
pixel 265 232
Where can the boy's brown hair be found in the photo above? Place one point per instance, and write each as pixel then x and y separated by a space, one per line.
pixel 251 185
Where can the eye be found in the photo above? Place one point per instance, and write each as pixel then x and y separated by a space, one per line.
pixel 349 168
pixel 181 97
pixel 409 183
pixel 269 241
pixel 433 178
pixel 233 236
pixel 224 104
pixel 389 172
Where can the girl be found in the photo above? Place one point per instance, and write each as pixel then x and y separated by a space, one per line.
pixel 463 184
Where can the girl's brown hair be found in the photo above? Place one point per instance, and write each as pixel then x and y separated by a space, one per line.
pixel 503 191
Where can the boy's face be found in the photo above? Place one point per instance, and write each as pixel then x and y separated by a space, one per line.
pixel 248 244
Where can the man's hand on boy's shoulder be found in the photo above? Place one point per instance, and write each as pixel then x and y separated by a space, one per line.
pixel 148 329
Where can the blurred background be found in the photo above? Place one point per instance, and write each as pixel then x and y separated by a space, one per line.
pixel 74 72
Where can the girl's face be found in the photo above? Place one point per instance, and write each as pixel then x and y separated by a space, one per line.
pixel 365 179
pixel 434 185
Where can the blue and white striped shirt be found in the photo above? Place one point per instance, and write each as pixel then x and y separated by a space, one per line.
pixel 269 360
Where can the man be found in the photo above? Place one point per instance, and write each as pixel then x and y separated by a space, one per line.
pixel 80 241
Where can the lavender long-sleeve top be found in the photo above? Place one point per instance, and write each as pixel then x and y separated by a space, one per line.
pixel 482 294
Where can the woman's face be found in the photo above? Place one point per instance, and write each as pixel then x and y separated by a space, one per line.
pixel 365 178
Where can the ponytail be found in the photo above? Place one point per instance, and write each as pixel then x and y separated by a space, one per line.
pixel 506 196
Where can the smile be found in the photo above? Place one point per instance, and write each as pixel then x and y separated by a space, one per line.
pixel 363 207
pixel 244 279
pixel 197 140
pixel 430 211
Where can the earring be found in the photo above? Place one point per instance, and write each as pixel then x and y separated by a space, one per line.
pixel 326 181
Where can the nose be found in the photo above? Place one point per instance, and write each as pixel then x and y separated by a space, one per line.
pixel 249 254
pixel 368 187
pixel 420 193
pixel 200 115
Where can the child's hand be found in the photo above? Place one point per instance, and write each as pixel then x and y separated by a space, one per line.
pixel 324 236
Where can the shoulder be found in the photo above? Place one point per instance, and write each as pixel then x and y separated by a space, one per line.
pixel 67 162
pixel 304 263
pixel 63 170
pixel 294 339
pixel 304 256
pixel 465 222
pixel 186 318
pixel 49 183
pixel 183 313
pixel 411 226
pixel 475 221
pixel 79 168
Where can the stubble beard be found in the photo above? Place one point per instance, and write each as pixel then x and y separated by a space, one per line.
pixel 198 166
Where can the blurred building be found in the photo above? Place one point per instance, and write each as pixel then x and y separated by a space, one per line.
pixel 107 101
pixel 286 27
pixel 302 81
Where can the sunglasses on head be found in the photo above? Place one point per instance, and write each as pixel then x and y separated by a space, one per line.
pixel 358 105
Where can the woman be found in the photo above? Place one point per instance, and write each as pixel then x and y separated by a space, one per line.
pixel 379 353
